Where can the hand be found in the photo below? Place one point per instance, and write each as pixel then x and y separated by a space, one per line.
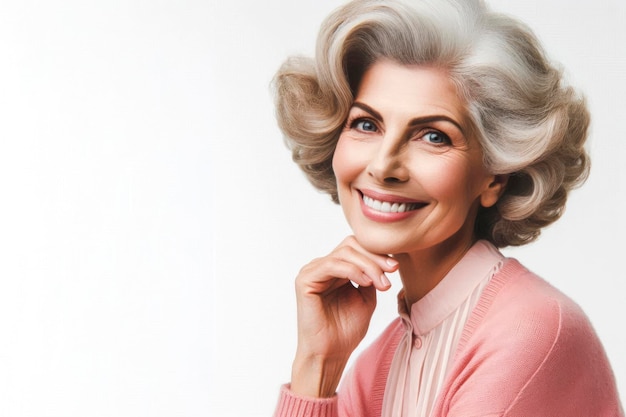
pixel 334 314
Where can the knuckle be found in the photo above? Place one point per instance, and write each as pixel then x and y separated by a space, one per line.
pixel 346 252
pixel 348 241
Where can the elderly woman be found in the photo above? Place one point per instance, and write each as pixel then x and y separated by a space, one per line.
pixel 444 133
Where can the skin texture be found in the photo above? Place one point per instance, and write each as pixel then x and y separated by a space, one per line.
pixel 406 143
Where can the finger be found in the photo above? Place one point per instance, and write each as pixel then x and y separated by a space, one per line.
pixel 365 263
pixel 385 262
pixel 330 273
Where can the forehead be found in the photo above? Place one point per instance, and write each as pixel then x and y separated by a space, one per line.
pixel 411 89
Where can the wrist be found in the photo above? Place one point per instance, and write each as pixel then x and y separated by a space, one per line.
pixel 316 376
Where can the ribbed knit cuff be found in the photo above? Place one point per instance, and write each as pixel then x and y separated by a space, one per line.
pixel 290 405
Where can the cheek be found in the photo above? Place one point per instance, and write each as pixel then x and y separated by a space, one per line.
pixel 346 163
pixel 444 177
pixel 451 180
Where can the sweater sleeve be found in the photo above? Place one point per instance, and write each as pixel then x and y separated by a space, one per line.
pixel 532 353
pixel 291 405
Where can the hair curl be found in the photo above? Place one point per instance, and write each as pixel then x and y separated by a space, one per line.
pixel 530 124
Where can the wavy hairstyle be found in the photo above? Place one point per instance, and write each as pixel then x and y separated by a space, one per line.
pixel 530 124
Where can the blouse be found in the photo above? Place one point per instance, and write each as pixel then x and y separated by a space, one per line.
pixel 432 329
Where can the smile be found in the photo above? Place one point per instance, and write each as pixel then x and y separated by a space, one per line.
pixel 389 207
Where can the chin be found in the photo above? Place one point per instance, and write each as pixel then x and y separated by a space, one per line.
pixel 381 244
pixel 395 242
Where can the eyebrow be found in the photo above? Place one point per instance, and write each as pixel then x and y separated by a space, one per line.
pixel 413 122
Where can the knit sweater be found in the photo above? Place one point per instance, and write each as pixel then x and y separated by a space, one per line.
pixel 526 351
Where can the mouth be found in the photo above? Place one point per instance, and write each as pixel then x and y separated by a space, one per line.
pixel 386 206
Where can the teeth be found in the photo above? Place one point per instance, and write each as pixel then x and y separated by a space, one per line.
pixel 386 207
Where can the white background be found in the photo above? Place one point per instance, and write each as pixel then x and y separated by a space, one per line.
pixel 151 221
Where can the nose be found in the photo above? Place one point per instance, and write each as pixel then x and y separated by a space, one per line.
pixel 388 164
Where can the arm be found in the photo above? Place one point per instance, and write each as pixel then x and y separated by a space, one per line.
pixel 333 317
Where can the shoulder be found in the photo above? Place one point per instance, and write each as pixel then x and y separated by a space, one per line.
pixel 525 308
pixel 521 323
pixel 529 350
pixel 527 320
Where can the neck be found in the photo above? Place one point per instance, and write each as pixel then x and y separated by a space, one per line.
pixel 422 270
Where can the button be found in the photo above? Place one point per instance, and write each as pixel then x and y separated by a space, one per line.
pixel 417 342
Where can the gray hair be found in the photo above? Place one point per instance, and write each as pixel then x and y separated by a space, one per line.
pixel 530 124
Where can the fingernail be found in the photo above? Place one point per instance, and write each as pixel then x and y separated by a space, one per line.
pixel 385 280
pixel 392 262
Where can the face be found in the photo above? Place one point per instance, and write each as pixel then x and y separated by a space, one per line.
pixel 409 175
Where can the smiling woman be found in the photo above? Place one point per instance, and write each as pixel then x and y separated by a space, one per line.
pixel 413 152
pixel 445 133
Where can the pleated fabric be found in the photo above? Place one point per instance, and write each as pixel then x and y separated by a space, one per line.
pixel 432 329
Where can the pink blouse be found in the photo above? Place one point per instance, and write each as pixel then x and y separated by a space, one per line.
pixel 432 329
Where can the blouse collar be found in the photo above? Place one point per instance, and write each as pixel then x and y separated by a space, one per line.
pixel 480 261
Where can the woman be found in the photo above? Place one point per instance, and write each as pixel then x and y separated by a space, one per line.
pixel 444 133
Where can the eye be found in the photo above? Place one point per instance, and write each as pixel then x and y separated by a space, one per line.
pixel 436 138
pixel 364 125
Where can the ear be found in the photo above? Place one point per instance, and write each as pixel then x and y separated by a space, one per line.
pixel 494 190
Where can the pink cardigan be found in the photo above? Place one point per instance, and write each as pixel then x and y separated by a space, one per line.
pixel 526 351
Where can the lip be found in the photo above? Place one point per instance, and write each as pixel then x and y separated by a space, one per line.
pixel 388 217
pixel 388 197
